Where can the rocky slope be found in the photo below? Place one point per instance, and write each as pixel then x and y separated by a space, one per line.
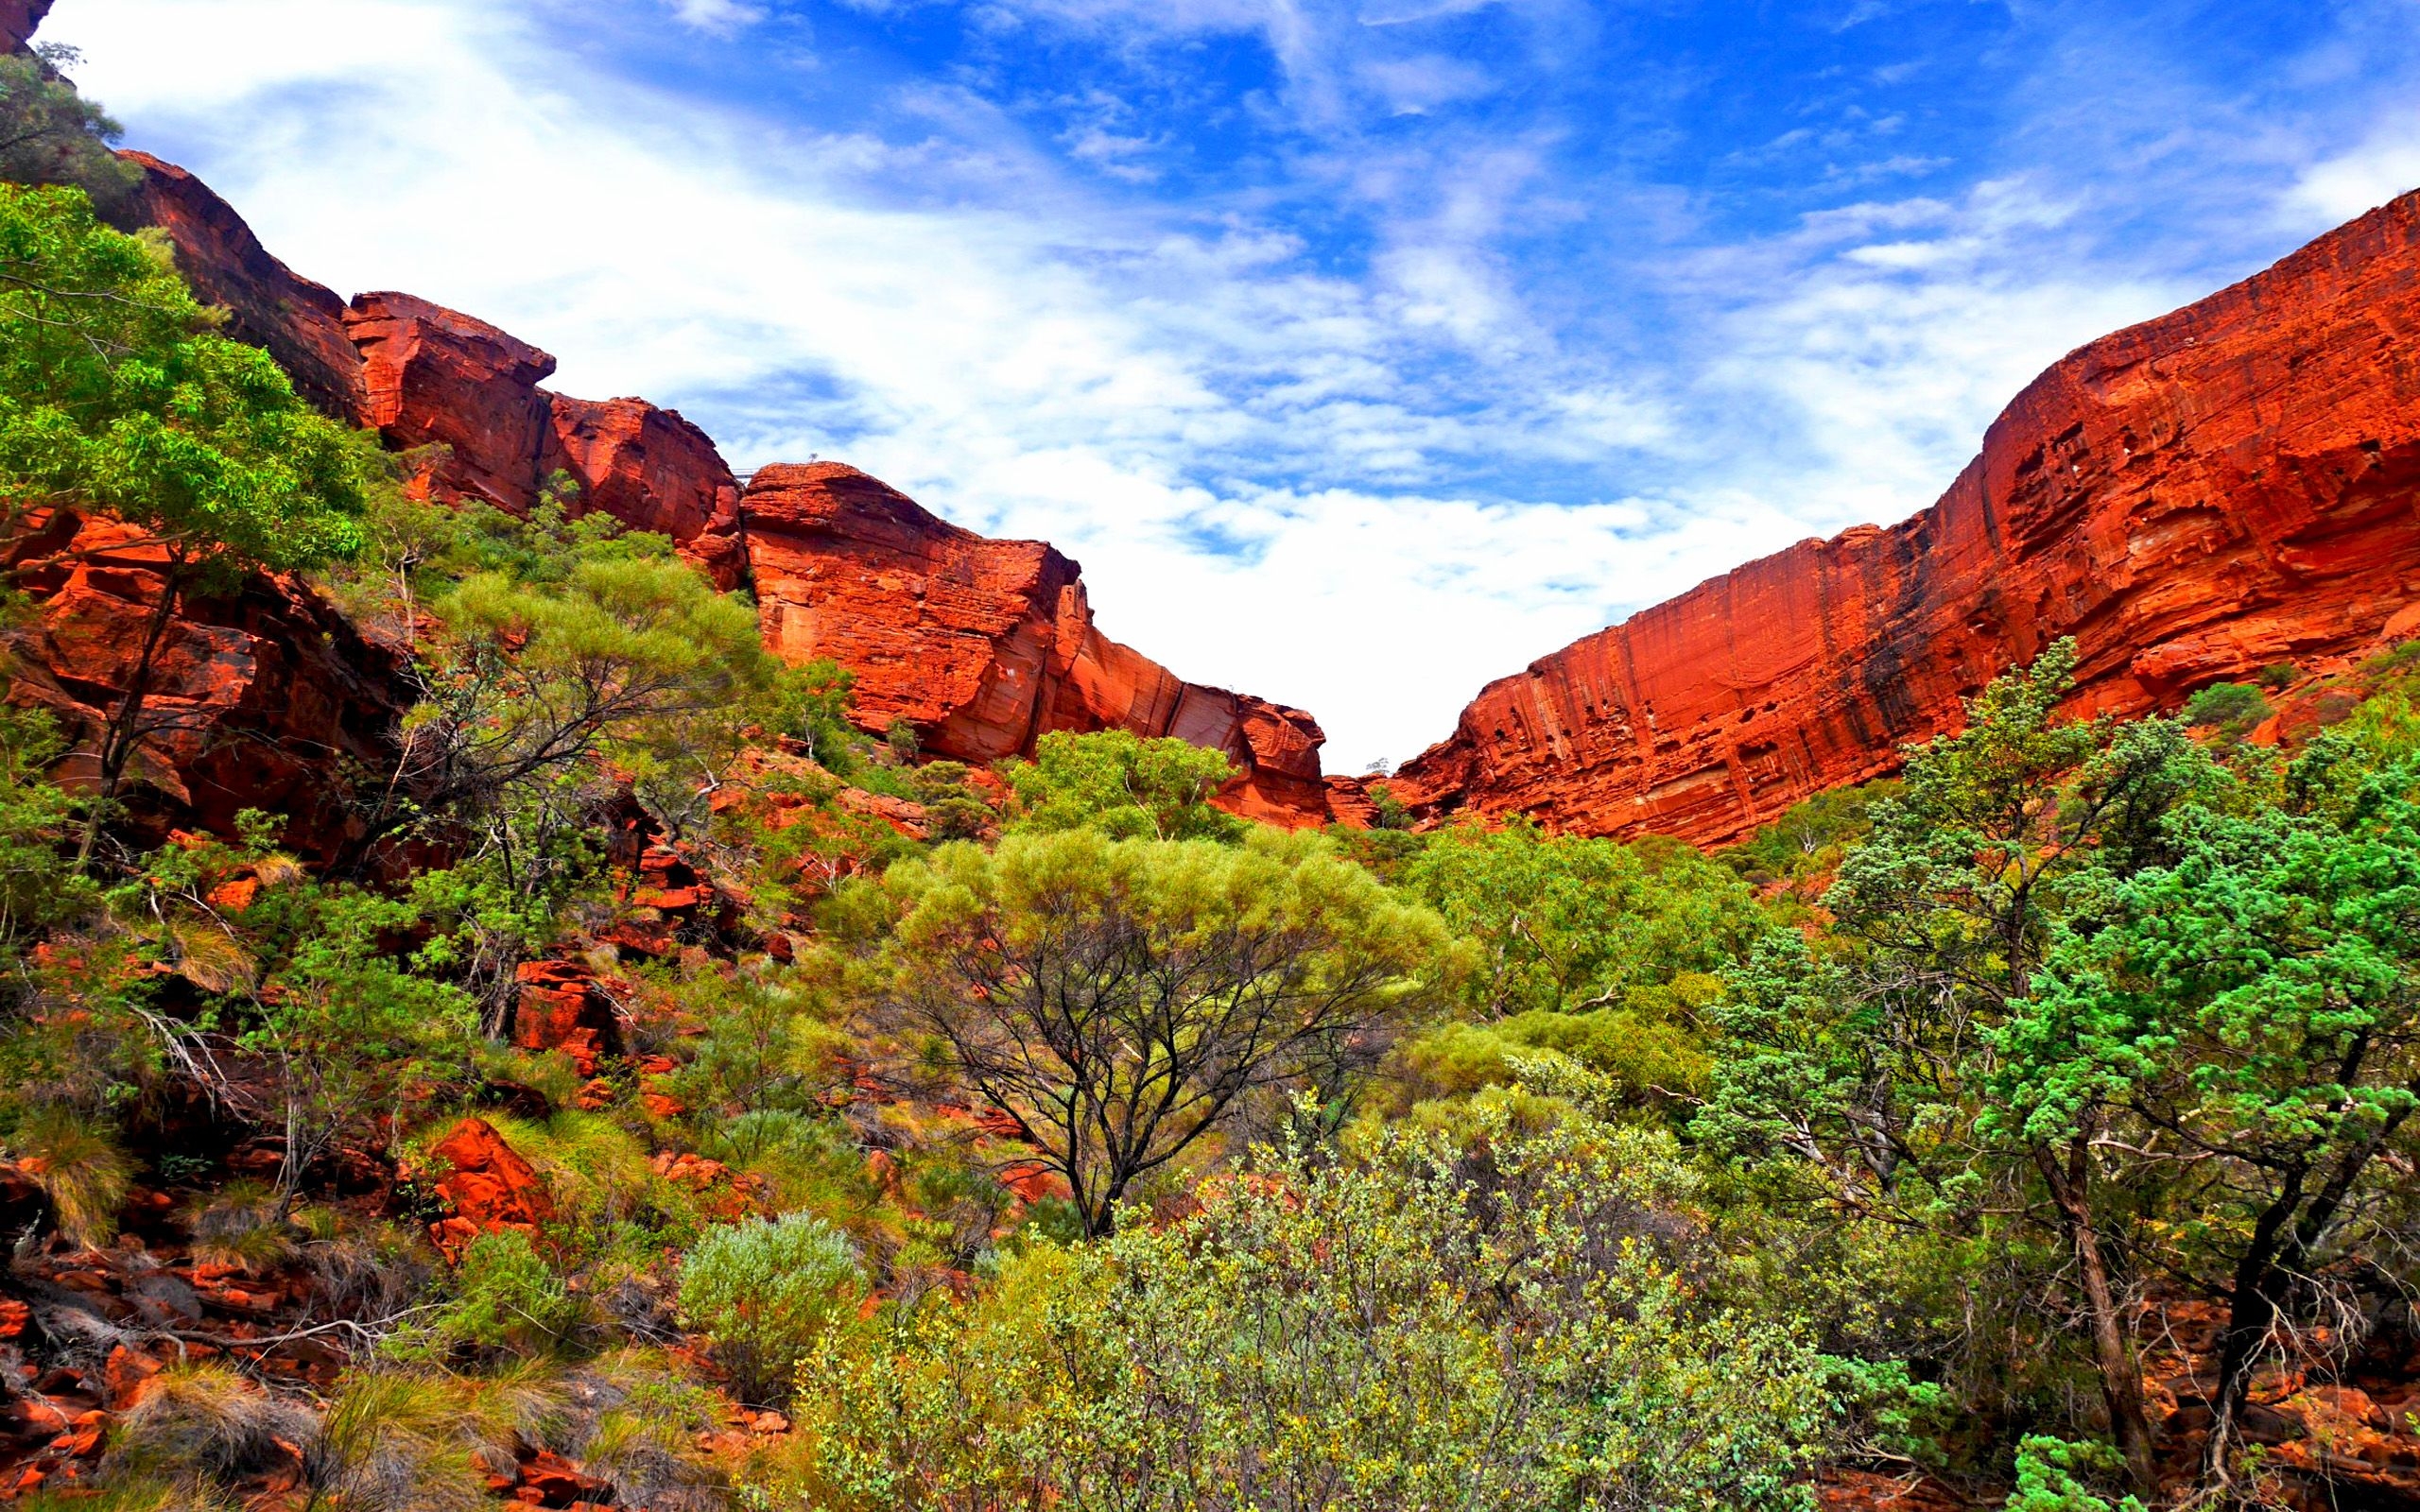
pixel 983 646
pixel 2225 488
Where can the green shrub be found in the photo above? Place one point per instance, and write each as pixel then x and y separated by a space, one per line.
pixel 763 1293
pixel 2055 1476
pixel 1123 785
pixel 1497 1322
pixel 507 1300
pixel 2230 708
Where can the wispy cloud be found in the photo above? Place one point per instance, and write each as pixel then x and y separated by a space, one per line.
pixel 1352 407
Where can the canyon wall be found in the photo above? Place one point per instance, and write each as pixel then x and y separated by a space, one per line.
pixel 983 646
pixel 2231 486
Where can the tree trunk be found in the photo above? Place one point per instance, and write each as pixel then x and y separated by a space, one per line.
pixel 121 733
pixel 2121 1381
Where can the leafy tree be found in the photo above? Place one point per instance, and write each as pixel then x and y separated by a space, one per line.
pixel 1117 998
pixel 817 701
pixel 2253 1010
pixel 1873 1065
pixel 1570 925
pixel 50 134
pixel 1810 838
pixel 1123 785
pixel 1497 1322
pixel 953 810
pixel 573 660
pixel 38 890
pixel 309 982
pixel 117 394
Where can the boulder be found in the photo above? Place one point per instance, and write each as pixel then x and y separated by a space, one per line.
pixel 487 1186
pixel 2222 488
pixel 562 1006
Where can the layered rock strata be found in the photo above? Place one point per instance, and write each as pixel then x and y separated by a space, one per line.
pixel 986 646
pixel 2225 488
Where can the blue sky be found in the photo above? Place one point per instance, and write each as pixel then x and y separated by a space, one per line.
pixel 1362 349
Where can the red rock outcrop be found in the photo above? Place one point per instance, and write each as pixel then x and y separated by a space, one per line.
pixel 258 699
pixel 434 376
pixel 302 323
pixel 2228 487
pixel 562 1005
pixel 488 1185
pixel 18 19
pixel 986 646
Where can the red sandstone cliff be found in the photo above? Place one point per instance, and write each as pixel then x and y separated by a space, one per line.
pixel 986 646
pixel 269 304
pixel 264 699
pixel 434 377
pixel 2231 486
pixel 18 19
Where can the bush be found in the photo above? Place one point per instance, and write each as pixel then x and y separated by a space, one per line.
pixel 2230 708
pixel 240 1224
pixel 507 1300
pixel 764 1293
pixel 78 1164
pixel 394 1441
pixel 2056 1476
pixel 1498 1322
pixel 204 1422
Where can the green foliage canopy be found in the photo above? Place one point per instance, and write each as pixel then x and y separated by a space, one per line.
pixel 1117 998
pixel 1123 785
pixel 1498 1323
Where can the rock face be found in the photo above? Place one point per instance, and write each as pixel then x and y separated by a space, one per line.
pixel 259 700
pixel 986 646
pixel 435 377
pixel 18 19
pixel 2225 488
pixel 487 1186
pixel 302 323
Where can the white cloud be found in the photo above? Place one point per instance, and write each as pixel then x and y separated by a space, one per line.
pixel 1130 383
pixel 720 17
pixel 2382 167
